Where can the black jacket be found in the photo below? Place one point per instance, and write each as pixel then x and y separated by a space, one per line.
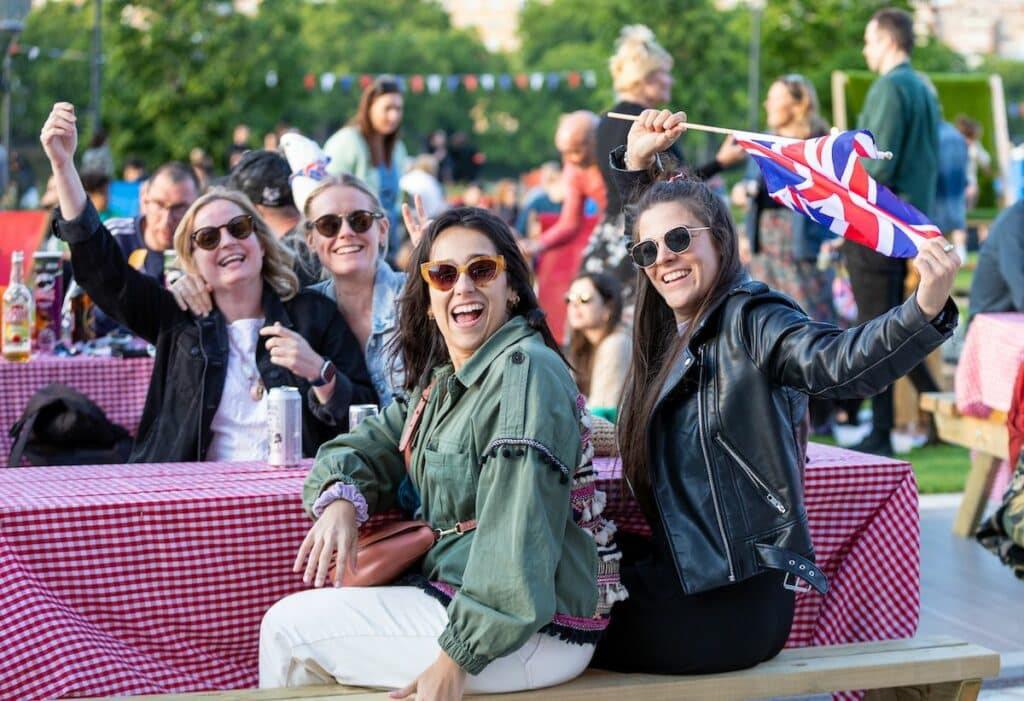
pixel 191 353
pixel 725 441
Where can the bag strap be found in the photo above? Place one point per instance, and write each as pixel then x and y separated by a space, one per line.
pixel 24 432
pixel 405 443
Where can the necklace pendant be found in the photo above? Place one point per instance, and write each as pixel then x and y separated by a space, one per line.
pixel 256 391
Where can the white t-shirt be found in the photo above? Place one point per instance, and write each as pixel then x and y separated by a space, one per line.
pixel 240 424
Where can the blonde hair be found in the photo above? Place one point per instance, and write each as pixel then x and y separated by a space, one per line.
pixel 343 180
pixel 637 55
pixel 277 260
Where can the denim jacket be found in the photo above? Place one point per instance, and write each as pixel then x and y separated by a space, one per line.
pixel 388 380
pixel 498 441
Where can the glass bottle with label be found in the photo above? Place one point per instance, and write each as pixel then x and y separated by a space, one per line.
pixel 17 313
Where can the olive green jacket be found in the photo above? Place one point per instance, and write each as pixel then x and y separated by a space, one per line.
pixel 498 441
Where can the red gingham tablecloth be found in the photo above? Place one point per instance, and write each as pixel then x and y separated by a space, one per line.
pixel 992 353
pixel 144 579
pixel 117 385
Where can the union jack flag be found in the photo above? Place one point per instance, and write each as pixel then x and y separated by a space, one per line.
pixel 824 179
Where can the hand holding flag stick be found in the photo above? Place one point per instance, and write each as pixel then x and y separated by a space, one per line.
pixel 722 130
pixel 822 178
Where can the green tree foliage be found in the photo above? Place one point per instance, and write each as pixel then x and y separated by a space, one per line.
pixel 181 74
pixel 816 37
pixel 709 68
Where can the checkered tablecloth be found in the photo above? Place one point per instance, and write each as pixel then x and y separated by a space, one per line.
pixel 144 579
pixel 117 385
pixel 992 353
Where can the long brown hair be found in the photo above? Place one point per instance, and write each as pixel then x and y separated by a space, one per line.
pixel 803 93
pixel 581 350
pixel 383 85
pixel 656 340
pixel 419 341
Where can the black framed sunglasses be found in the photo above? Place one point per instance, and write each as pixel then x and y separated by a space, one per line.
pixel 645 253
pixel 359 221
pixel 442 274
pixel 208 237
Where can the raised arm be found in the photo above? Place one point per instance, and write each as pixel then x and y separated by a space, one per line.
pixel 822 360
pixel 60 139
pixel 136 301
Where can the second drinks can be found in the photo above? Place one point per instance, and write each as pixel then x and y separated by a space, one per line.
pixel 358 412
pixel 284 426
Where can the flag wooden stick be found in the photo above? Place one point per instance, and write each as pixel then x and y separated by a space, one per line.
pixel 887 155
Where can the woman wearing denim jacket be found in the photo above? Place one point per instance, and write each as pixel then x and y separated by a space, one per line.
pixel 511 605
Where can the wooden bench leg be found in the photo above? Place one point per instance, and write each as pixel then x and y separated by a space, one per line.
pixel 966 690
pixel 976 491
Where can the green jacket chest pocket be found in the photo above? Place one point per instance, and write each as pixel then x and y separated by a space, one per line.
pixel 448 488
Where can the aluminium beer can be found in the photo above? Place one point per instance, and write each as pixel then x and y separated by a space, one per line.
pixel 284 426
pixel 358 412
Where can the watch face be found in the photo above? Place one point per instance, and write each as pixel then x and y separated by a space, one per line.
pixel 327 372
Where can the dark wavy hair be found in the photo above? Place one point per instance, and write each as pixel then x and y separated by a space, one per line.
pixel 581 350
pixel 656 339
pixel 419 342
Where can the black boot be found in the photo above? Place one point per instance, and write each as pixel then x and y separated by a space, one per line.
pixel 876 443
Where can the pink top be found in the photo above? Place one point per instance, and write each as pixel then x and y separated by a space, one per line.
pixel 579 184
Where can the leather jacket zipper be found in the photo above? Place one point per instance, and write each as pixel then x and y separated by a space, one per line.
pixel 707 466
pixel 759 483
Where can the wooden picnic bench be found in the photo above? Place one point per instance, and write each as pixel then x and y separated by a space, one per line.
pixel 988 438
pixel 938 668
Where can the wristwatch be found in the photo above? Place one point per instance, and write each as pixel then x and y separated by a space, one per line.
pixel 327 373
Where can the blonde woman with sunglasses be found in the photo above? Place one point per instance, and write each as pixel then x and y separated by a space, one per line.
pixel 348 230
pixel 207 394
pixel 508 605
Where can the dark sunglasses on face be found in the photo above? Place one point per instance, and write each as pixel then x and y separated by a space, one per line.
pixel 359 221
pixel 645 253
pixel 208 237
pixel 578 299
pixel 442 274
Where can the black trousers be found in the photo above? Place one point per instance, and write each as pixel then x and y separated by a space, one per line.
pixel 661 630
pixel 876 291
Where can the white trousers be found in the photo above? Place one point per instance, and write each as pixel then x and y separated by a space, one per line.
pixel 386 637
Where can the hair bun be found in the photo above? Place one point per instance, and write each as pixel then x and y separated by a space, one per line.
pixel 637 54
pixel 635 33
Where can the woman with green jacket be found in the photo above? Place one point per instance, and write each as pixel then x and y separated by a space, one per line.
pixel 513 604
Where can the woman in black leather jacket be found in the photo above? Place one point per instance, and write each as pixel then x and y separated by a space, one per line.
pixel 207 394
pixel 711 425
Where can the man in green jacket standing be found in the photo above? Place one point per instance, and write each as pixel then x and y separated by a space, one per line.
pixel 903 115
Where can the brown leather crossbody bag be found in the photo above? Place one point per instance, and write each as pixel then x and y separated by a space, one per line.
pixel 387 552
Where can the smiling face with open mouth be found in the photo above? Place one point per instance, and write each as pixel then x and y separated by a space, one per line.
pixel 349 252
pixel 682 279
pixel 468 314
pixel 232 261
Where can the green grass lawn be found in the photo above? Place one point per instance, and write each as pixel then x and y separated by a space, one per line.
pixel 939 468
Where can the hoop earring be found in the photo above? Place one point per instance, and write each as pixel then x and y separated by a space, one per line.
pixel 513 301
